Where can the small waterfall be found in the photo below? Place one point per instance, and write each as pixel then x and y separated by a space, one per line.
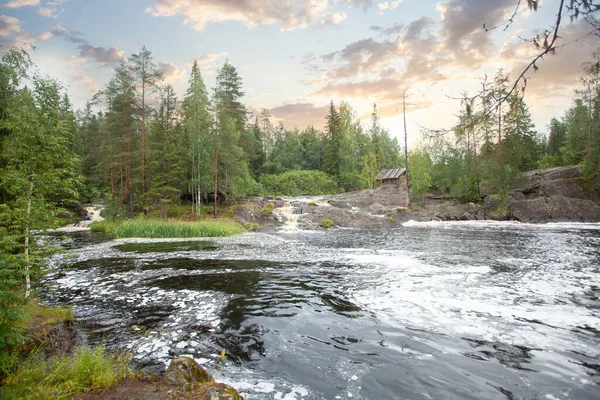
pixel 92 215
pixel 288 214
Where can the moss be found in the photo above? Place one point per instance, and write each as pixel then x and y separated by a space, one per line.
pixel 326 223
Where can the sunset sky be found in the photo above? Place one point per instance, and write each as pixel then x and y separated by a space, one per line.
pixel 295 56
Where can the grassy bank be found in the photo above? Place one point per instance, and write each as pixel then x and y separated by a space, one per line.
pixel 64 377
pixel 148 228
pixel 42 370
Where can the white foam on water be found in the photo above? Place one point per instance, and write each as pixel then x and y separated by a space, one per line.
pixel 503 224
pixel 250 386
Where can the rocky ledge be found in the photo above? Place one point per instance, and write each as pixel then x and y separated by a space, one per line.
pixel 548 195
pixel 184 379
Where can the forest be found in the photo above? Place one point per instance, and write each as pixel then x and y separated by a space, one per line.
pixel 142 148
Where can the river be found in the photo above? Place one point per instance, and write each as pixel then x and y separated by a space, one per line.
pixel 472 310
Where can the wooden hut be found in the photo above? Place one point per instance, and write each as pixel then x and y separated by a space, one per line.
pixel 390 176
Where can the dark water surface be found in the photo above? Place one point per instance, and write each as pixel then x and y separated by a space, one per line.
pixel 429 311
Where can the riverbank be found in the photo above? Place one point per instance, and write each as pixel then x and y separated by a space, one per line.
pixel 53 365
pixel 47 363
pixel 540 196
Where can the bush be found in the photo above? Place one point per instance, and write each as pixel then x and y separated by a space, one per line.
pixel 299 183
pixel 326 223
pixel 267 210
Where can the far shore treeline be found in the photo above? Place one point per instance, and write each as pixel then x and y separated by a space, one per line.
pixel 142 148
pixel 138 148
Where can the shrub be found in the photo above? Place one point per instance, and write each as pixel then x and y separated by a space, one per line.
pixel 299 183
pixel 326 223
pixel 267 210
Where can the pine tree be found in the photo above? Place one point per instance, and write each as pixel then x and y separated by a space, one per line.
pixel 229 161
pixel 196 122
pixel 120 145
pixel 166 170
pixel 146 76
pixel 331 159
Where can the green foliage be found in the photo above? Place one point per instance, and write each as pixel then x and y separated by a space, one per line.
pixel 299 183
pixel 326 223
pixel 370 169
pixel 267 210
pixel 39 177
pixel 251 227
pixel 165 158
pixel 106 226
pixel 420 166
pixel 63 378
pixel 146 228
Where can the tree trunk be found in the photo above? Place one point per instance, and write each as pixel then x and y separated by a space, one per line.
pixel 476 162
pixel 216 187
pixel 406 148
pixel 499 131
pixel 26 241
pixel 144 188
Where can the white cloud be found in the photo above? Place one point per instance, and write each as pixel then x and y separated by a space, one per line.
pixel 75 67
pixel 289 14
pixel 22 3
pixel 208 59
pixel 388 6
pixel 46 36
pixel 9 26
pixel 48 12
pixel 171 72
pixel 12 35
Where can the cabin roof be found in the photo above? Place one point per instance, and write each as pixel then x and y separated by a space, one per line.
pixel 390 174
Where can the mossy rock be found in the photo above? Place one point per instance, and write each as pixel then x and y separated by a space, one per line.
pixel 215 391
pixel 184 371
pixel 147 376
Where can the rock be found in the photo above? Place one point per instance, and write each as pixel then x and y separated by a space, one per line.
pixel 340 204
pixel 184 370
pixel 564 187
pixel 533 210
pixel 217 391
pixel 377 208
pixel 147 376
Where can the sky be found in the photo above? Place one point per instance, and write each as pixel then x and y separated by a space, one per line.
pixel 295 56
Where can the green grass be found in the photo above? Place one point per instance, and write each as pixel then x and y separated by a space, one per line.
pixel 63 378
pixel 105 226
pixel 42 315
pixel 147 228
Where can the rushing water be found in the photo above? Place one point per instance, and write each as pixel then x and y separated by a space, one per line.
pixel 428 311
